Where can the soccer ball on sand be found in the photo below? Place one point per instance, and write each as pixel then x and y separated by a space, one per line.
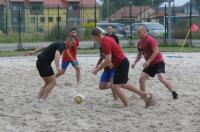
pixel 79 99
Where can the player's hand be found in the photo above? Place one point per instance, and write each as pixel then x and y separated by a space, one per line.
pixel 58 70
pixel 146 64
pixel 74 62
pixel 95 71
pixel 97 66
pixel 111 66
pixel 133 65
pixel 28 53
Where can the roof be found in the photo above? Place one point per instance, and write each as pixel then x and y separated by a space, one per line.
pixel 16 0
pixel 35 0
pixel 161 13
pixel 2 2
pixel 90 3
pixel 55 3
pixel 177 3
pixel 73 0
pixel 136 11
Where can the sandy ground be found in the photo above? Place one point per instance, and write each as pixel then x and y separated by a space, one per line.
pixel 20 111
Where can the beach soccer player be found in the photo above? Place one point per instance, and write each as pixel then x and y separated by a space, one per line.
pixel 114 54
pixel 70 56
pixel 154 62
pixel 108 74
pixel 49 54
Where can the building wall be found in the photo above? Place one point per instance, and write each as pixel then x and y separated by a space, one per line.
pixel 88 14
pixel 14 11
pixel 51 15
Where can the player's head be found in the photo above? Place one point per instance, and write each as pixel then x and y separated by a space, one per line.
pixel 73 32
pixel 109 30
pixel 69 41
pixel 96 34
pixel 141 32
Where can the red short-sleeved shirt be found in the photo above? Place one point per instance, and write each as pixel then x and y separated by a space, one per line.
pixel 72 50
pixel 146 47
pixel 109 46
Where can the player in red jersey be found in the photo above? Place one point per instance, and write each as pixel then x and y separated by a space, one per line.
pixel 70 56
pixel 154 62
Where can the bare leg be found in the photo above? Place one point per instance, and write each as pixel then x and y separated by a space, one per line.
pixel 167 84
pixel 113 91
pixel 60 73
pixel 104 85
pixel 122 97
pixel 51 83
pixel 147 97
pixel 144 76
pixel 42 89
pixel 134 89
pixel 78 74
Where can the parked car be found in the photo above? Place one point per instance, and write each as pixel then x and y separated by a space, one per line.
pixel 155 29
pixel 118 28
pixel 120 36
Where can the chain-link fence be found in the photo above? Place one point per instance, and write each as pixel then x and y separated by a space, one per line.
pixel 36 22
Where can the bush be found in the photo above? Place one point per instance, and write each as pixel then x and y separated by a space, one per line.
pixel 88 28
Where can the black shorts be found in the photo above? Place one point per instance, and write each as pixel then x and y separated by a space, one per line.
pixel 121 73
pixel 44 68
pixel 154 69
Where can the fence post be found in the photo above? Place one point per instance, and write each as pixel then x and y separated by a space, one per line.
pixel 19 29
pixel 190 40
pixel 58 22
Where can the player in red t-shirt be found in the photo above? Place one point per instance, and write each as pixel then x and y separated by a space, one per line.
pixel 114 58
pixel 154 63
pixel 70 56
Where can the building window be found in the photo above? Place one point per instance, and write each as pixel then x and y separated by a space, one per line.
pixel 32 19
pixel 70 8
pixel 50 19
pixel 36 9
pixel 58 19
pixel 14 20
pixel 15 8
pixel 42 19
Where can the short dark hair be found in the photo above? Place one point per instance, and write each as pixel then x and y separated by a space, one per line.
pixel 96 32
pixel 72 29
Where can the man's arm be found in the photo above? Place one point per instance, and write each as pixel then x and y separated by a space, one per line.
pixel 36 50
pixel 57 59
pixel 106 62
pixel 139 56
pixel 101 58
pixel 152 57
pixel 68 54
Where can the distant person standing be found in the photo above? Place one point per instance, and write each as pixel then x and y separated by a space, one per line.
pixel 111 34
pixel 154 62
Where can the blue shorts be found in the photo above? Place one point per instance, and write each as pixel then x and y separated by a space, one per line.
pixel 107 74
pixel 65 64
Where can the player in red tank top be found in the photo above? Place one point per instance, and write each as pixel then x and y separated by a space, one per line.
pixel 154 63
pixel 70 56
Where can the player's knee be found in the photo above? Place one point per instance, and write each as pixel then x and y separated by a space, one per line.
pixel 54 82
pixel 77 69
pixel 161 78
pixel 102 86
pixel 142 79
